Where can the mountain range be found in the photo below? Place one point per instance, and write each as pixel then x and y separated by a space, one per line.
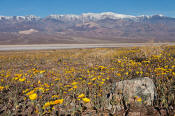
pixel 106 27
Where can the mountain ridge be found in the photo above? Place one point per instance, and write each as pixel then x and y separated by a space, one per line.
pixel 86 28
pixel 98 16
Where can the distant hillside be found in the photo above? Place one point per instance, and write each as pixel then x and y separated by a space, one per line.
pixel 104 27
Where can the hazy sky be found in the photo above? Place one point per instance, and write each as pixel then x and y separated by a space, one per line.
pixel 46 7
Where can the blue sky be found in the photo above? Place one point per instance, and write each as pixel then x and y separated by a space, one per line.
pixel 46 7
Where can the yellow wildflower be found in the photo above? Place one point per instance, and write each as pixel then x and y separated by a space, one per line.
pixel 74 83
pixel 46 85
pixel 33 96
pixel 46 104
pixel 139 99
pixel 102 82
pixel 75 87
pixel 22 79
pixel 103 79
pixel 58 101
pixel 70 89
pixel 86 100
pixel 18 75
pixel 118 74
pixel 7 86
pixel 41 89
pixel 94 79
pixel 1 88
pixel 126 73
pixel 15 78
pixel 24 91
pixel 55 96
pixel 173 73
pixel 57 79
pixel 39 82
pixel 31 92
pixel 47 89
pixel 137 72
pixel 42 71
pixel 81 95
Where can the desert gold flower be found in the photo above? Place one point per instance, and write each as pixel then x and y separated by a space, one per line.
pixel 55 96
pixel 18 75
pixel 118 74
pixel 41 89
pixel 22 79
pixel 93 79
pixel 7 86
pixel 126 73
pixel 103 79
pixel 15 78
pixel 33 96
pixel 119 61
pixel 57 79
pixel 139 99
pixel 137 72
pixel 70 89
pixel 1 88
pixel 75 87
pixel 86 100
pixel 39 82
pixel 47 89
pixel 46 85
pixel 74 83
pixel 42 71
pixel 58 101
pixel 31 92
pixel 24 91
pixel 81 95
pixel 46 104
pixel 24 98
pixel 102 82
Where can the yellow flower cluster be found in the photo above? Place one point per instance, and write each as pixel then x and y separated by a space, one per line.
pixel 49 103
pixel 84 99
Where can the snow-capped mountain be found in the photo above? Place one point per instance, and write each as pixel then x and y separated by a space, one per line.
pixel 90 27
pixel 99 16
pixel 82 17
pixel 90 16
pixel 19 18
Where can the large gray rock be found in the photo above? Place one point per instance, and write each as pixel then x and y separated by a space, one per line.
pixel 135 91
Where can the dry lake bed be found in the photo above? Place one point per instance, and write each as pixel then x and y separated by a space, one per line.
pixel 70 46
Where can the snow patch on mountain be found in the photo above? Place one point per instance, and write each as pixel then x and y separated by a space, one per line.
pixel 90 16
pixel 151 16
pixel 107 15
pixel 18 18
pixel 64 17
